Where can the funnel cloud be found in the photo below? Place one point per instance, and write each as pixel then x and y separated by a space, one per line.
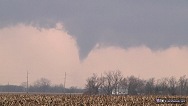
pixel 157 24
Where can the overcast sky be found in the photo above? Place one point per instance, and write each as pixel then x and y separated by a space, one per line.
pixel 146 38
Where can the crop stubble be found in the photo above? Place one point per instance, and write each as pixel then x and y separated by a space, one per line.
pixel 82 100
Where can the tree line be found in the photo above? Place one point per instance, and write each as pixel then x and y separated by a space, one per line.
pixel 108 82
pixel 42 85
pixel 114 80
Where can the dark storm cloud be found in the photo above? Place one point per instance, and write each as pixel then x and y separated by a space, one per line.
pixel 157 24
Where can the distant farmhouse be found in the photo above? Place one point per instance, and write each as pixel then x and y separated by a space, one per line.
pixel 120 91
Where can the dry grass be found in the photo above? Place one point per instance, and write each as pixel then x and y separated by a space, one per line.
pixel 81 100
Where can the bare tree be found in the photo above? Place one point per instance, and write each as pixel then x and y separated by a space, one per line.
pixel 114 82
pixel 117 77
pixel 111 81
pixel 172 83
pixel 93 84
pixel 150 86
pixel 43 84
pixel 183 85
pixel 162 86
pixel 135 85
pixel 123 84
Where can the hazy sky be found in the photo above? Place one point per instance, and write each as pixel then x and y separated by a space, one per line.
pixel 145 38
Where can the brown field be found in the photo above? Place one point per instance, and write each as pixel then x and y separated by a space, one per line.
pixel 83 100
